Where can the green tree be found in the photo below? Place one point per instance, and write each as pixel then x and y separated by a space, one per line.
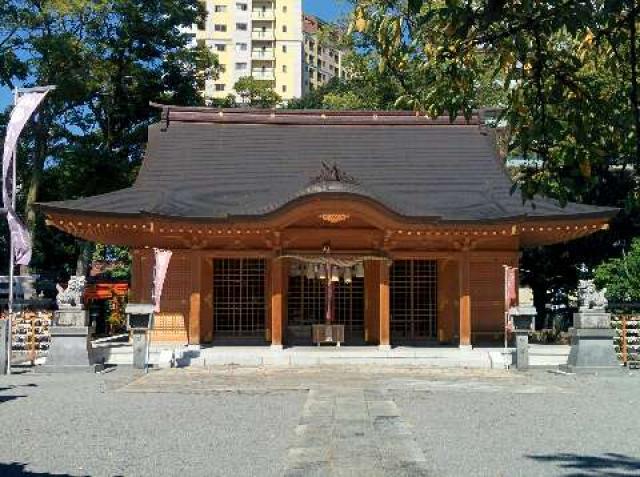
pixel 109 59
pixel 256 93
pixel 568 92
pixel 621 276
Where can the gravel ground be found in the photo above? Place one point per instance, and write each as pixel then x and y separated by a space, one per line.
pixel 566 425
pixel 242 422
pixel 79 425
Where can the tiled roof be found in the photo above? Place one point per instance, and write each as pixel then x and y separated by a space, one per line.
pixel 212 164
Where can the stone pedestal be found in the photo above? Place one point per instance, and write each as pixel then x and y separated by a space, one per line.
pixel 592 347
pixel 70 345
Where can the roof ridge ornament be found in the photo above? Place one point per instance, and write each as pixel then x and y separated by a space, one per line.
pixel 333 173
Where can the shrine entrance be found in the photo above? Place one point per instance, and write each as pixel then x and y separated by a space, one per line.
pixel 414 306
pixel 307 301
pixel 239 308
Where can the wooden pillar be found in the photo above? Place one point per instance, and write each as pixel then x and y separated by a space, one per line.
pixel 195 298
pixel 447 293
pixel 136 276
pixel 277 303
pixel 372 300
pixel 206 300
pixel 385 328
pixel 464 264
pixel 141 276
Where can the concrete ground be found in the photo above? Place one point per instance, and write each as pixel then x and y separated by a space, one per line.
pixel 351 421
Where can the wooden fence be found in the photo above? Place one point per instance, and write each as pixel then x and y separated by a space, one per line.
pixel 627 340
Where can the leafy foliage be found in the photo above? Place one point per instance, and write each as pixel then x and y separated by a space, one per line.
pixel 563 74
pixel 256 93
pixel 621 276
pixel 118 257
pixel 108 59
pixel 566 70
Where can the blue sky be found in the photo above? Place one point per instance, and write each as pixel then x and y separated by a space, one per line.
pixel 326 9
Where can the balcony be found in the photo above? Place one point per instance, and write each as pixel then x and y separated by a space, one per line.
pixel 263 74
pixel 259 14
pixel 262 35
pixel 266 55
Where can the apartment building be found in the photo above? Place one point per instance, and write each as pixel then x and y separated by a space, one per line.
pixel 259 38
pixel 322 59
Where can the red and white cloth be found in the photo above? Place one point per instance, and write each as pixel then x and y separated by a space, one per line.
pixel 161 265
pixel 24 108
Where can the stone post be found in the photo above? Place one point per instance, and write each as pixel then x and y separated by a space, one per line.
pixel 140 322
pixel 523 318
pixel 5 346
pixel 140 343
pixel 522 350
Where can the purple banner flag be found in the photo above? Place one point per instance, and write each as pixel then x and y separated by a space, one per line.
pixel 162 259
pixel 21 113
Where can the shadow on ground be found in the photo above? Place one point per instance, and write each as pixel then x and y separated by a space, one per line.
pixel 14 469
pixel 609 464
pixel 4 399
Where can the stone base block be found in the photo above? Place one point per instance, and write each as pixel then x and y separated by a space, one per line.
pixel 70 350
pixel 592 319
pixel 592 351
pixel 71 317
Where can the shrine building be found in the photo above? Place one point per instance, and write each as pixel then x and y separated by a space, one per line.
pixel 411 219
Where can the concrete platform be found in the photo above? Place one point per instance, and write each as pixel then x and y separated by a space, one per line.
pixel 308 356
pixel 256 356
pixel 302 356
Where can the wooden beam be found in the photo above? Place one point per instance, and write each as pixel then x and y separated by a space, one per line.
pixel 464 281
pixel 385 325
pixel 277 303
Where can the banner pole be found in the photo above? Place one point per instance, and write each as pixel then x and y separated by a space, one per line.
pixel 10 302
pixel 506 304
pixel 11 251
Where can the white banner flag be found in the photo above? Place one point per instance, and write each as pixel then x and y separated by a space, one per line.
pixel 21 113
pixel 161 265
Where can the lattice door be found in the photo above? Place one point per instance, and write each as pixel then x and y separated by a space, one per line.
pixel 306 304
pixel 414 306
pixel 305 301
pixel 349 308
pixel 239 297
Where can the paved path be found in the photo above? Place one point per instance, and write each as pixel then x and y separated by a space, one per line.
pixel 353 431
